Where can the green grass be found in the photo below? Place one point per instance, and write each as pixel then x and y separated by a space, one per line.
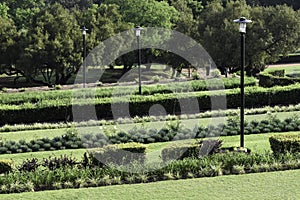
pixel 288 70
pixel 190 123
pixel 19 158
pixel 271 185
pixel 257 143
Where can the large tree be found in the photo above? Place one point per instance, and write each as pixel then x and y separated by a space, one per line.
pixel 8 34
pixel 51 47
pixel 145 13
pixel 274 32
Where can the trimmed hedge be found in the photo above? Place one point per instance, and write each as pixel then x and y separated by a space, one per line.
pixel 121 154
pixel 106 92
pixel 54 110
pixel 5 166
pixel 180 151
pixel 199 149
pixel 285 144
pixel 276 78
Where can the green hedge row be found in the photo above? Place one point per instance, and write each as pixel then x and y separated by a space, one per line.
pixel 285 143
pixel 172 131
pixel 208 166
pixel 68 141
pixel 276 78
pixel 61 110
pixel 104 92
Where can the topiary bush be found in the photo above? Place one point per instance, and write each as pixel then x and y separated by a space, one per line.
pixel 6 166
pixel 195 150
pixel 285 144
pixel 121 154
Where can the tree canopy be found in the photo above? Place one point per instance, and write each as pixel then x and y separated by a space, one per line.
pixel 42 38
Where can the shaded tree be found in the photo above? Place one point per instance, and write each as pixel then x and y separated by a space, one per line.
pixel 51 47
pixel 274 32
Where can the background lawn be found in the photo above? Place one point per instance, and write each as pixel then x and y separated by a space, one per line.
pixel 271 185
pixel 288 70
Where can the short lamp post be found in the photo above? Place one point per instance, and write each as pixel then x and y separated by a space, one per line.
pixel 84 54
pixel 242 29
pixel 138 30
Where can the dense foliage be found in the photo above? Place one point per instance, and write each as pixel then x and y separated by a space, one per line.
pixel 41 40
pixel 78 176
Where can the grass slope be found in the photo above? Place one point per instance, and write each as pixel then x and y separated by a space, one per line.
pixel 257 143
pixel 190 123
pixel 271 185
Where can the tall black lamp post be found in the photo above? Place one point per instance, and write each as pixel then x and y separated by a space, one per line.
pixel 84 54
pixel 243 23
pixel 138 34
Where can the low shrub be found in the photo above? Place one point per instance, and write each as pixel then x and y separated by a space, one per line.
pixel 67 141
pixel 207 166
pixel 285 144
pixel 180 151
pixel 5 166
pixel 199 149
pixel 29 165
pixel 63 161
pixel 121 154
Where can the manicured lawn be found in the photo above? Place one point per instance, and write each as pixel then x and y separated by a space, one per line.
pixel 288 70
pixel 257 143
pixel 271 185
pixel 19 158
pixel 190 123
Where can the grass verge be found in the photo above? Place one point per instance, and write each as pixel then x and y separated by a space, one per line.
pixel 271 185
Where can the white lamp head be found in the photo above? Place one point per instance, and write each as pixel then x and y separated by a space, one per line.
pixel 243 23
pixel 84 30
pixel 137 30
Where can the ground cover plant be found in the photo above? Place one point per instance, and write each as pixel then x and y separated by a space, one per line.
pixel 271 186
pixel 64 172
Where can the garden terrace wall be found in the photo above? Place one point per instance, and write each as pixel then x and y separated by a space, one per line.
pixel 54 111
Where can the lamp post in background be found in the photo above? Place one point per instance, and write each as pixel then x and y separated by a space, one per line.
pixel 137 30
pixel 84 54
pixel 242 29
